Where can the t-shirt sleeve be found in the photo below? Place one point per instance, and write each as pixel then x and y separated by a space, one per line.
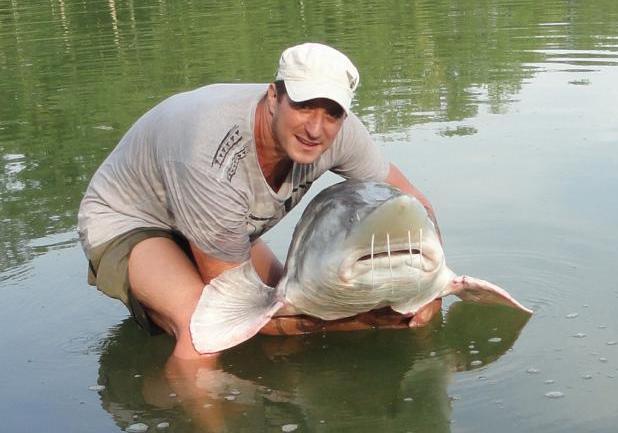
pixel 207 211
pixel 356 155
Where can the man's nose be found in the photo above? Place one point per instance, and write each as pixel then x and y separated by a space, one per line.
pixel 314 123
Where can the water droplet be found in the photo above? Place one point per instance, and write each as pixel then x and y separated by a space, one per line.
pixel 495 340
pixel 579 335
pixel 96 387
pixel 163 425
pixel 603 359
pixel 533 370
pixel 172 395
pixel 612 343
pixel 139 427
pixel 322 421
pixel 587 376
pixel 476 363
pixel 289 427
pixel 235 392
pixel 554 394
pixel 572 315
pixel 549 381
pixel 474 352
pixel 207 405
pixel 137 376
pixel 471 346
pixel 230 397
pixel 408 399
pixel 602 326
pixel 432 354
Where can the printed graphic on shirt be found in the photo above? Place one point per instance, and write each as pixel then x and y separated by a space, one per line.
pixel 297 193
pixel 231 170
pixel 231 139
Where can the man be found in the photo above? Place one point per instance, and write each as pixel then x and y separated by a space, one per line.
pixel 196 180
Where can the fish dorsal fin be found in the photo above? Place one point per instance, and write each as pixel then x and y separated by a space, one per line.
pixel 476 290
pixel 232 308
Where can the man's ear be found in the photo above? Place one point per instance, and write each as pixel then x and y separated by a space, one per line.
pixel 271 98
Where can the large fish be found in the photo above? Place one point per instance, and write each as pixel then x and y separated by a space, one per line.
pixel 358 246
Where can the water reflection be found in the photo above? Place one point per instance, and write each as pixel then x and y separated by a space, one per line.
pixel 75 75
pixel 364 381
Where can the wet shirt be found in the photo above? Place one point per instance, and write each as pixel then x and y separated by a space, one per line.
pixel 190 164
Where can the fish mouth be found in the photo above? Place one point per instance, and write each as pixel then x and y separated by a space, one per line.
pixel 379 255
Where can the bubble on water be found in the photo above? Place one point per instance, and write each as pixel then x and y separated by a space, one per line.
pixel 476 363
pixel 289 427
pixel 408 399
pixel 572 315
pixel 96 387
pixel 533 370
pixel 549 381
pixel 554 394
pixel 612 343
pixel 495 340
pixel 432 354
pixel 603 359
pixel 230 397
pixel 587 376
pixel 139 427
pixel 207 405
pixel 602 326
pixel 104 127
pixel 322 421
pixel 163 425
pixel 172 395
pixel 135 417
pixel 579 335
pixel 474 352
pixel 585 305
pixel 235 392
pixel 137 376
pixel 471 346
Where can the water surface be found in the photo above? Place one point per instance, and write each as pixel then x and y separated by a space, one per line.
pixel 503 112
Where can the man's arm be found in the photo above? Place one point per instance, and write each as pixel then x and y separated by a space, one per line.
pixel 397 179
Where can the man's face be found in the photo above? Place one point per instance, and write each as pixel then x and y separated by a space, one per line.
pixel 305 130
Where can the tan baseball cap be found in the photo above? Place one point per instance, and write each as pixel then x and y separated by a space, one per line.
pixel 314 70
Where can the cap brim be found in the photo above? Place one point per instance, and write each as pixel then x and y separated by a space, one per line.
pixel 299 91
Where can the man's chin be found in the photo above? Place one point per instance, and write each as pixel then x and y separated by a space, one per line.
pixel 306 156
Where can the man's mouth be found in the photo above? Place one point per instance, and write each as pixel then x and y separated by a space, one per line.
pixel 307 142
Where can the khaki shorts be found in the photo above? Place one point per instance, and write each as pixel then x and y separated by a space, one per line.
pixel 108 269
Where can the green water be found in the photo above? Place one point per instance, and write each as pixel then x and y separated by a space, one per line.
pixel 503 112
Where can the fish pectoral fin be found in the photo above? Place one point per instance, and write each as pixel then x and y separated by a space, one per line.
pixel 232 308
pixel 481 291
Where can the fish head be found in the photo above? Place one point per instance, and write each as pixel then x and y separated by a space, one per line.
pixel 359 246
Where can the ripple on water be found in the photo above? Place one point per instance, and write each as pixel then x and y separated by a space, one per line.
pixel 554 394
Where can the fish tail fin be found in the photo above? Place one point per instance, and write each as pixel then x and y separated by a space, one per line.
pixel 232 308
pixel 476 290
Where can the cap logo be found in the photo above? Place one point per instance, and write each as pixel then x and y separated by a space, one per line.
pixel 352 80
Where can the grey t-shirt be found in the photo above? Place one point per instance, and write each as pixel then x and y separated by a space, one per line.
pixel 190 164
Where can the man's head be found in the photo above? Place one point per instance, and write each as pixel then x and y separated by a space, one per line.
pixel 312 71
pixel 310 98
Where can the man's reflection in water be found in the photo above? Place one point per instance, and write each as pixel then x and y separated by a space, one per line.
pixel 360 381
